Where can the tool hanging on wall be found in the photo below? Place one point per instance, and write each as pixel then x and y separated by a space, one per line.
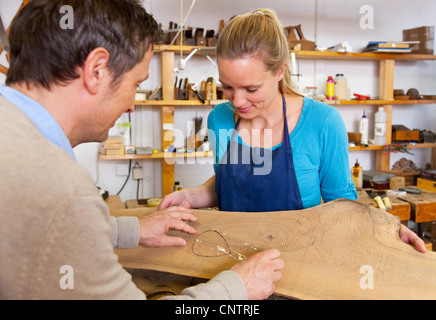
pixel 293 41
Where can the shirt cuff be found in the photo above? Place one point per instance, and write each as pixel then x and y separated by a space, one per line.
pixel 233 283
pixel 125 232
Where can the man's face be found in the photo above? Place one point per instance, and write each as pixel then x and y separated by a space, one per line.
pixel 120 99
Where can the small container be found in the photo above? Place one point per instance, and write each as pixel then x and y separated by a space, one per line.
pixel 364 122
pixel 357 175
pixel 176 187
pixel 341 87
pixel 311 92
pixel 380 127
pixel 330 92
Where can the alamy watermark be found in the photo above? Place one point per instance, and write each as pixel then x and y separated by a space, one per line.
pixel 66 281
pixel 367 280
pixel 67 20
pixel 367 20
pixel 236 153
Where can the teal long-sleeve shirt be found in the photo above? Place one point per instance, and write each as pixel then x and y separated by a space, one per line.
pixel 319 148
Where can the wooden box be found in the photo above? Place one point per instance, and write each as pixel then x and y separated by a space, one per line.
pixel 401 133
pixel 426 184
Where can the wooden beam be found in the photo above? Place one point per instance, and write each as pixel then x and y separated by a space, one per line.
pixel 386 92
pixel 167 118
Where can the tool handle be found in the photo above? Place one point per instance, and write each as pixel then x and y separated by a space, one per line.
pixel 387 203
pixel 379 202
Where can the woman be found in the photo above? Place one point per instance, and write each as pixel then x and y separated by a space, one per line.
pixel 274 149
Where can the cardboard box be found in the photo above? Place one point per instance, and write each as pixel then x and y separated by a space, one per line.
pixel 425 36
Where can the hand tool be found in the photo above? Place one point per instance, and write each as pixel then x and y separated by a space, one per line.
pixel 3 37
pixel 374 195
pixel 361 96
pixel 385 200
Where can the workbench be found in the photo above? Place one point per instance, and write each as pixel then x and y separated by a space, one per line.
pixel 419 208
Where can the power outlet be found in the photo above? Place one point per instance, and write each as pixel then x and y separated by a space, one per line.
pixel 138 174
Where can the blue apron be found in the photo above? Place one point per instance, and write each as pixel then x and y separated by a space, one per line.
pixel 257 179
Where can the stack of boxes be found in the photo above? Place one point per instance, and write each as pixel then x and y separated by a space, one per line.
pixel 425 36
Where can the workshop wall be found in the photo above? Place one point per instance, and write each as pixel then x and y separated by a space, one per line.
pixel 327 22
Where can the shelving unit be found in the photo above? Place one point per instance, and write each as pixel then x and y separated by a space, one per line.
pixel 386 92
pixel 168 104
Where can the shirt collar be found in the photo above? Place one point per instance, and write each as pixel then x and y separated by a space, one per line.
pixel 45 122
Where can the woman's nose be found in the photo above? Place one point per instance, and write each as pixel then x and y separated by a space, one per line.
pixel 239 99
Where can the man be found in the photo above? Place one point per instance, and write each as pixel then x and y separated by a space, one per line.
pixel 67 86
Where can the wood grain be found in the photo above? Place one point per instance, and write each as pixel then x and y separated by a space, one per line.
pixel 325 249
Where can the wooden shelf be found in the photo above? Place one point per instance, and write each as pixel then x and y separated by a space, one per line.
pixel 320 55
pixel 327 55
pixel 179 102
pixel 379 102
pixel 174 155
pixel 159 155
pixel 330 102
pixel 409 146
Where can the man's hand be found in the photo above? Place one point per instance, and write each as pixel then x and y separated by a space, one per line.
pixel 410 237
pixel 154 227
pixel 259 272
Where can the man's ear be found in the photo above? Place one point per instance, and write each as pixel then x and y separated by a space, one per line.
pixel 95 69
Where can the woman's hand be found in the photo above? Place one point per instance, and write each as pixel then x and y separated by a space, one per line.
pixel 410 237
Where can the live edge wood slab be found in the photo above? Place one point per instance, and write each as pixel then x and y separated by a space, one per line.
pixel 338 250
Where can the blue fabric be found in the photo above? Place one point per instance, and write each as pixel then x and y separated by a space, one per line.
pixel 265 181
pixel 45 122
pixel 319 146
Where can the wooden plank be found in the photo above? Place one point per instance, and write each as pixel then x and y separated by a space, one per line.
pixel 333 251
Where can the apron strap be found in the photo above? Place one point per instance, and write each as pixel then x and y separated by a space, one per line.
pixel 286 142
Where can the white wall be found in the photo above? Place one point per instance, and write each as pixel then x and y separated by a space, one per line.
pixel 327 22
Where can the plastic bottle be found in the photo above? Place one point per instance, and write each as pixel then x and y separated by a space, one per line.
pixel 357 175
pixel 341 87
pixel 380 127
pixel 364 129
pixel 330 92
pixel 176 187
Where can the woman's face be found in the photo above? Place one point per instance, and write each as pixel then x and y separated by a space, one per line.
pixel 249 85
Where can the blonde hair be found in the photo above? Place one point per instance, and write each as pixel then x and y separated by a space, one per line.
pixel 261 34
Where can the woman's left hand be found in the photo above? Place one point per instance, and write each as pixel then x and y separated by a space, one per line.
pixel 410 237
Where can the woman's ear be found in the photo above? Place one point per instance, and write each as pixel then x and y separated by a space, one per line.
pixel 95 69
pixel 281 71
